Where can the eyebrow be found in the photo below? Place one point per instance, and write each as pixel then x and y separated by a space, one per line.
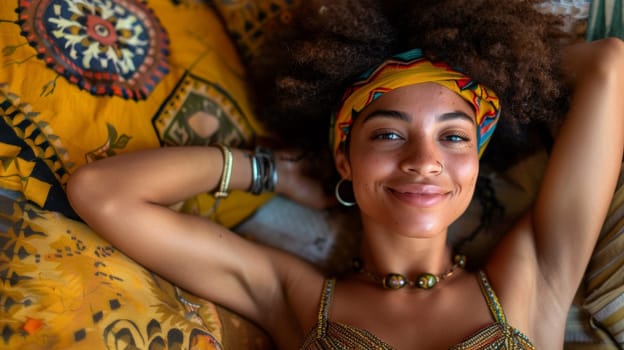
pixel 456 115
pixel 393 114
pixel 387 113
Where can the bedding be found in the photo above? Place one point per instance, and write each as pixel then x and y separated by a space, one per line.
pixel 81 80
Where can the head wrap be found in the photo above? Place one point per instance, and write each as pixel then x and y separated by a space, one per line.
pixel 409 68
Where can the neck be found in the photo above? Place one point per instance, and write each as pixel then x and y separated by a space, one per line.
pixel 385 252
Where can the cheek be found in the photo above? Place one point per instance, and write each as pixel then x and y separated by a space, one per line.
pixel 364 172
pixel 467 173
pixel 368 171
pixel 366 163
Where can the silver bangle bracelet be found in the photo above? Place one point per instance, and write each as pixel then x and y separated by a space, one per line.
pixel 265 178
pixel 256 182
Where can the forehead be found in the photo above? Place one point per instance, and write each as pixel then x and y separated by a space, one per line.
pixel 421 98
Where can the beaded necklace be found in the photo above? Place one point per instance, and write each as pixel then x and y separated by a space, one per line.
pixel 394 281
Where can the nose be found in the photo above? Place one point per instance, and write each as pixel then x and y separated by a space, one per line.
pixel 421 158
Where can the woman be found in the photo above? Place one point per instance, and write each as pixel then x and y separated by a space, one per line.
pixel 411 151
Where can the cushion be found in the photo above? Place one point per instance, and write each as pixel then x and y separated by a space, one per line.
pixel 77 87
pixel 66 288
pixel 85 80
pixel 604 279
pixel 251 22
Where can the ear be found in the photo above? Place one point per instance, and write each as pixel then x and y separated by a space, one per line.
pixel 342 163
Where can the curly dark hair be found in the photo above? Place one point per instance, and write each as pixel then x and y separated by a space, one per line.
pixel 506 45
pixel 509 46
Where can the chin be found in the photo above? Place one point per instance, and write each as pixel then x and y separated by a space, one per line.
pixel 421 228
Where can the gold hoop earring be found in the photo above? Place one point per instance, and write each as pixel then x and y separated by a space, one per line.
pixel 339 198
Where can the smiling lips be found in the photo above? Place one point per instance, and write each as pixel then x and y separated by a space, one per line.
pixel 420 195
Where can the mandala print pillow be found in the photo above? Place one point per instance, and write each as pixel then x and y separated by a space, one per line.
pixel 82 80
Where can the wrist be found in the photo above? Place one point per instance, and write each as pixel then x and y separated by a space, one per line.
pixel 226 174
pixel 264 172
pixel 257 171
pixel 284 171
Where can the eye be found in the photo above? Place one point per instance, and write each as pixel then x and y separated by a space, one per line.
pixel 456 137
pixel 386 135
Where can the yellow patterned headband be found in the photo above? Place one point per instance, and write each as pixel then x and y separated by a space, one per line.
pixel 409 68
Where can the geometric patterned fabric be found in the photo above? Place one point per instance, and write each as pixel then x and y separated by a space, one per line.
pixel 81 81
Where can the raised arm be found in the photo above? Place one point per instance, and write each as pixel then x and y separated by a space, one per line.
pixel 542 260
pixel 125 198
pixel 584 165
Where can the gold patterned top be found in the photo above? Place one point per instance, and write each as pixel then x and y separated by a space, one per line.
pixel 498 335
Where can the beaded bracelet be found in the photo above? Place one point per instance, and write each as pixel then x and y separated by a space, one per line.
pixel 224 185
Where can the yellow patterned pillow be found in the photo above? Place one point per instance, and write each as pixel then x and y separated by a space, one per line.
pixel 80 81
pixel 251 22
pixel 84 80
pixel 63 287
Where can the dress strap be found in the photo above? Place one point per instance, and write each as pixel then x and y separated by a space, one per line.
pixel 328 288
pixel 492 300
